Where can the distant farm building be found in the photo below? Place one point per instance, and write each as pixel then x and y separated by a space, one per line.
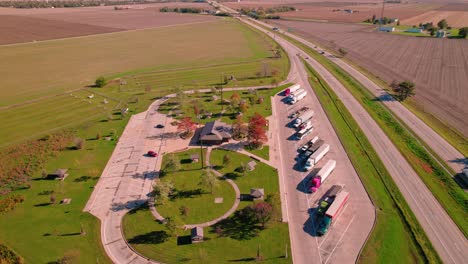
pixel 387 29
pixel 215 133
pixel 196 234
pixel 441 34
pixel 414 30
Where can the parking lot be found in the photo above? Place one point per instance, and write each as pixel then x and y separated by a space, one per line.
pixel 346 236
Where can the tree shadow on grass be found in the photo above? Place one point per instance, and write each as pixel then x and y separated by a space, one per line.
pixel 240 226
pixel 42 204
pixel 184 240
pixel 231 175
pixel 242 260
pixel 186 193
pixel 154 237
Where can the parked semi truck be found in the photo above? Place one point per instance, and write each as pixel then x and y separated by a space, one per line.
pixel 292 89
pixel 305 155
pixel 303 118
pixel 305 131
pixel 298 97
pixel 322 175
pixel 332 213
pixel 330 196
pixel 309 144
pixel 294 94
pixel 316 157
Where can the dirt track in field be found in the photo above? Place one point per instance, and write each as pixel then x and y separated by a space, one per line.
pixel 26 25
pixel 437 66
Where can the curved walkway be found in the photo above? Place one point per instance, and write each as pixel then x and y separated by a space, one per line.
pixel 160 218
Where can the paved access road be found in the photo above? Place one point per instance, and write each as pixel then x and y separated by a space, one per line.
pixel 445 236
pixel 345 239
pixel 127 180
pixel 439 145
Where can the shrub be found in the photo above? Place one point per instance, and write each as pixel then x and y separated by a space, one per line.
pixel 79 143
pixel 100 82
pixel 8 256
pixel 9 203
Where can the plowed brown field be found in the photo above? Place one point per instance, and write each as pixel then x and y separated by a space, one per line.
pixel 26 25
pixel 362 11
pixel 438 67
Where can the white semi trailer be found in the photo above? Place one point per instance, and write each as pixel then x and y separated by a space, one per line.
pixel 316 157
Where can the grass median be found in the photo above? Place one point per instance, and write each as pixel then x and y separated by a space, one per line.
pixel 397 233
pixel 428 166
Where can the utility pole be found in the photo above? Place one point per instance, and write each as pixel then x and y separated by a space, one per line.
pixel 381 15
pixel 201 144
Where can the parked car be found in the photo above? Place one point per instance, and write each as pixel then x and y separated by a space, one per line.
pixel 152 153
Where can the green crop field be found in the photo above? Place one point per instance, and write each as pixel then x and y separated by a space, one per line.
pixel 161 59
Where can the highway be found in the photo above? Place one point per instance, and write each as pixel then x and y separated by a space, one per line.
pixel 438 144
pixel 447 239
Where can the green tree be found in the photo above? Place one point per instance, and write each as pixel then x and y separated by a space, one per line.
pixel 162 190
pixel 442 24
pixel 405 90
pixel 342 52
pixel 173 163
pixel 208 180
pixel 174 225
pixel 226 160
pixel 432 30
pixel 463 32
pixel 100 82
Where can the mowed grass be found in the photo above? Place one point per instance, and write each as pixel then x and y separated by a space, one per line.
pixel 50 67
pixel 144 233
pixel 52 114
pixel 206 104
pixel 41 232
pixel 397 233
pixel 193 63
pixel 198 200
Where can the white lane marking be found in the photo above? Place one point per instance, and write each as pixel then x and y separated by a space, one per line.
pixel 336 245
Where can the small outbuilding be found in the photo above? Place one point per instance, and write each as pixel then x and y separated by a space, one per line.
pixel 257 194
pixel 251 165
pixel 59 174
pixel 196 234
pixel 195 157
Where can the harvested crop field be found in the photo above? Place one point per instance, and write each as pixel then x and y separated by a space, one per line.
pixel 437 66
pixel 454 18
pixel 334 11
pixel 26 25
pixel 16 29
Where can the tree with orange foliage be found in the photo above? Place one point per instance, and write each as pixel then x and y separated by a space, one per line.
pixel 257 130
pixel 187 126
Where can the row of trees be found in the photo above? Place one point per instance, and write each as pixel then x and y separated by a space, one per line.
pixel 183 10
pixel 268 13
pixel 68 3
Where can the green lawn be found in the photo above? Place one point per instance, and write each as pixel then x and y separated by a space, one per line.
pixel 263 152
pixel 420 157
pixel 43 233
pixel 177 61
pixel 397 233
pixel 263 176
pixel 144 234
pixel 188 193
pixel 206 104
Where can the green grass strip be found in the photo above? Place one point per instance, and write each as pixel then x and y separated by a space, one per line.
pixel 449 194
pixel 397 234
